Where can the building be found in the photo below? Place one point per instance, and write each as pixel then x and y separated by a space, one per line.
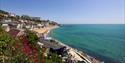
pixel 35 18
pixel 15 33
pixel 6 27
pixel 40 26
pixel 12 14
pixel 54 47
pixel 7 21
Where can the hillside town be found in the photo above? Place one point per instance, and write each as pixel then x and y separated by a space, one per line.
pixel 25 39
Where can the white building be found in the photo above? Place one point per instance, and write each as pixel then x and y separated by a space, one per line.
pixel 8 20
pixel 19 26
pixel 12 14
pixel 6 27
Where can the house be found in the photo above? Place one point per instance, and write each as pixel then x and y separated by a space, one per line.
pixel 21 20
pixel 40 26
pixel 28 26
pixel 46 24
pixel 7 20
pixel 54 47
pixel 15 33
pixel 12 24
pixel 6 27
pixel 19 26
pixel 47 38
pixel 12 14
pixel 35 18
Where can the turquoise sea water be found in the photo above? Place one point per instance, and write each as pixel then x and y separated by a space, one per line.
pixel 105 42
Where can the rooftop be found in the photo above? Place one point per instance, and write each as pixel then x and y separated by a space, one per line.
pixel 14 32
pixel 52 45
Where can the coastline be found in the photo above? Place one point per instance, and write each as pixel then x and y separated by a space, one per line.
pixel 73 53
pixel 77 55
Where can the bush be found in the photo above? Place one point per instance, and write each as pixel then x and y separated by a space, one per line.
pixel 54 58
pixel 32 37
pixel 8 51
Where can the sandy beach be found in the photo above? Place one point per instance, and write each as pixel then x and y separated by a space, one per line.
pixel 44 31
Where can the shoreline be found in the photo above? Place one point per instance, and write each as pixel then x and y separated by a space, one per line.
pixel 81 55
pixel 75 54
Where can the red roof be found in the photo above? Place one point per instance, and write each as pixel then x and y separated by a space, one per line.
pixel 14 32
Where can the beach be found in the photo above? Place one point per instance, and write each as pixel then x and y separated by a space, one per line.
pixel 44 31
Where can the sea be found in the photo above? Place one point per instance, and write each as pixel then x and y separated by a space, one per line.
pixel 105 42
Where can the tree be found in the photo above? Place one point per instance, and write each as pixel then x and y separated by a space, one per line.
pixel 25 17
pixel 54 58
pixel 32 37
pixel 3 12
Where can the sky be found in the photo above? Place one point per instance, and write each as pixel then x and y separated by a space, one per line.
pixel 70 11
